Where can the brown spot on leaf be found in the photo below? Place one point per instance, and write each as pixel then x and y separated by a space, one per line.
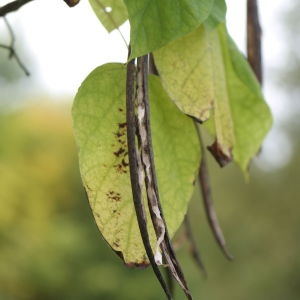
pixel 116 243
pixel 119 152
pixel 122 142
pixel 112 195
pixel 122 125
pixel 120 168
pixel 222 158
pixel 124 163
pixel 142 265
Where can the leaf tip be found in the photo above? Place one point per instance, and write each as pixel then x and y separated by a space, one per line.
pixel 220 155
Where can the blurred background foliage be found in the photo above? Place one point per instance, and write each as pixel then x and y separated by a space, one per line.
pixel 50 247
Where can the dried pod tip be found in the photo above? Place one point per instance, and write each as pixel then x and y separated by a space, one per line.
pixel 72 3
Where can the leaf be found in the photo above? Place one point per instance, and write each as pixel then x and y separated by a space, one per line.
pixel 198 85
pixel 251 115
pixel 111 13
pixel 213 80
pixel 176 153
pixel 100 133
pixel 154 23
pixel 218 14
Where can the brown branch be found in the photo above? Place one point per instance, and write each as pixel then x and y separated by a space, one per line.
pixel 12 6
pixel 254 39
pixel 15 5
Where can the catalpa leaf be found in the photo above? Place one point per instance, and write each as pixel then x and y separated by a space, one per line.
pixel 207 77
pixel 100 133
pixel 111 13
pixel 251 115
pixel 217 15
pixel 198 85
pixel 176 153
pixel 154 23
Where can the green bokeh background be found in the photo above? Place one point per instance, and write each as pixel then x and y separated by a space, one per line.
pixel 50 247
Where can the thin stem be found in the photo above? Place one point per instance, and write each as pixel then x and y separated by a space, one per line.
pixel 12 6
pixel 11 48
pixel 254 39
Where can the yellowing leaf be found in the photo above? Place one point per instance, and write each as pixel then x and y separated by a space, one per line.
pixel 193 74
pixel 206 76
pixel 100 133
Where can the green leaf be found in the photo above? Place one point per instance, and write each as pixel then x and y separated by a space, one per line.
pixel 100 133
pixel 176 153
pixel 111 13
pixel 218 14
pixel 252 117
pixel 207 77
pixel 154 23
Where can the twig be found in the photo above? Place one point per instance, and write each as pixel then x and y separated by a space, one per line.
pixel 12 6
pixel 11 48
pixel 254 39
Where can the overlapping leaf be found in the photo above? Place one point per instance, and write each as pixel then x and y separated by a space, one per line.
pixel 100 132
pixel 206 76
pixel 154 23
pixel 217 15
pixel 111 13
pixel 251 116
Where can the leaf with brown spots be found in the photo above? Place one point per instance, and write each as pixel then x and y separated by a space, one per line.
pixel 100 133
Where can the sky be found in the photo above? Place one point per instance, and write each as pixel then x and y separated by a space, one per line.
pixel 68 43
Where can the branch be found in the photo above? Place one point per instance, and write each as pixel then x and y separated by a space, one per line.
pixel 254 39
pixel 11 48
pixel 12 6
pixel 15 5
